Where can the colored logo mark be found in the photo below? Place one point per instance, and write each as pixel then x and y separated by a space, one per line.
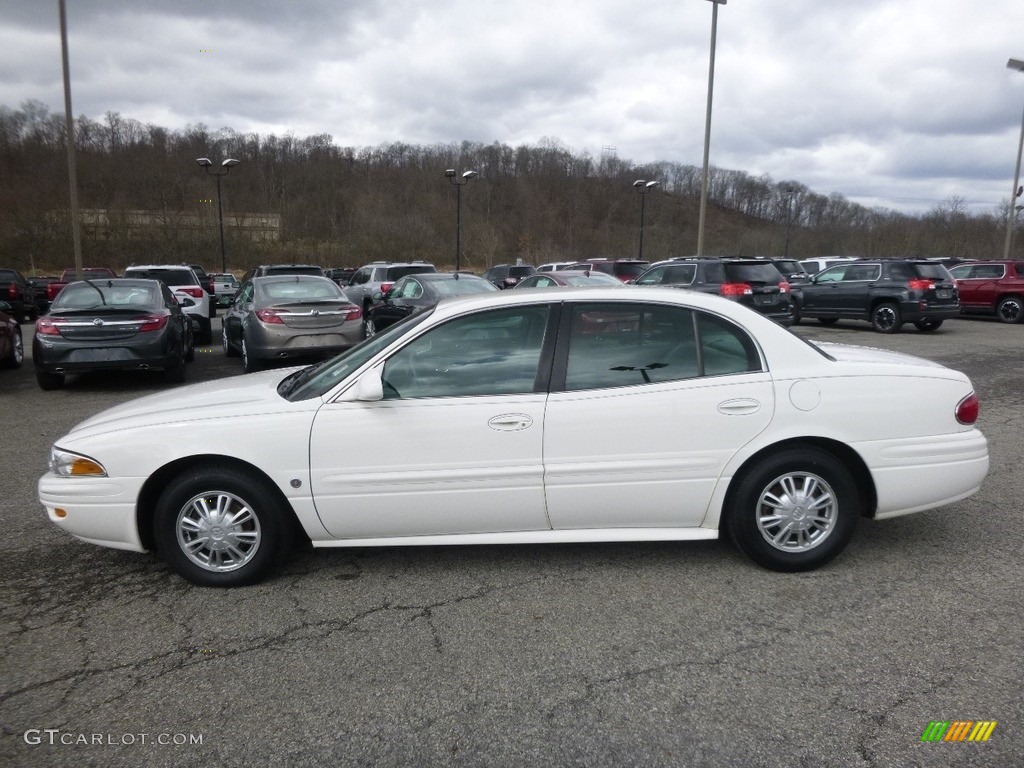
pixel 958 730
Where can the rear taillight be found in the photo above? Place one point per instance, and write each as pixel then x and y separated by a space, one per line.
pixel 151 322
pixel 46 327
pixel 920 285
pixel 510 281
pixel 211 288
pixel 967 409
pixel 735 289
pixel 195 293
pixel 784 287
pixel 11 291
pixel 385 287
pixel 354 313
pixel 269 316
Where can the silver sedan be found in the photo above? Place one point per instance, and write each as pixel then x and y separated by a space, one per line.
pixel 289 316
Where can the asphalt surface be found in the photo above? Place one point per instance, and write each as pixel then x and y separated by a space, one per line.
pixel 598 655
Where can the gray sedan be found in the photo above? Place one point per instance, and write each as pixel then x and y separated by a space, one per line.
pixel 289 316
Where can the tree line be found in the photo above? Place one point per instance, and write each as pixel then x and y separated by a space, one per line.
pixel 346 206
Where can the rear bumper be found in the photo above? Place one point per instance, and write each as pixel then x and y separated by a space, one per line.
pixel 923 310
pixel 69 357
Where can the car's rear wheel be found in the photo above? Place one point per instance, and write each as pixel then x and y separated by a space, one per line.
pixel 49 381
pixel 794 510
pixel 828 320
pixel 371 328
pixel 1010 309
pixel 927 325
pixel 885 318
pixel 17 354
pixel 219 526
pixel 250 364
pixel 205 331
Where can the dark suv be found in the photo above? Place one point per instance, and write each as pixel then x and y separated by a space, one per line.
pixel 755 283
pixel 508 275
pixel 884 292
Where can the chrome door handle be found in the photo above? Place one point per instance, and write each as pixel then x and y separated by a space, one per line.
pixel 510 422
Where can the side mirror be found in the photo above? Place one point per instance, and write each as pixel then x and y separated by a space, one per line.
pixel 4 306
pixel 370 387
pixel 186 303
pixel 378 296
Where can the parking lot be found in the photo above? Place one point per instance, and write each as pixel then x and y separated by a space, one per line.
pixel 614 654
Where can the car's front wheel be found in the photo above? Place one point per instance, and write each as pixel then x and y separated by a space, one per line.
pixel 794 510
pixel 17 353
pixel 927 325
pixel 49 381
pixel 885 318
pixel 229 351
pixel 1010 309
pixel 219 526
pixel 250 364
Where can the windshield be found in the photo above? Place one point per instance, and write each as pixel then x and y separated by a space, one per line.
pixel 317 380
pixel 113 294
pixel 297 289
pixel 753 273
pixel 594 278
pixel 396 273
pixel 931 270
pixel 167 276
pixel 628 270
pixel 462 286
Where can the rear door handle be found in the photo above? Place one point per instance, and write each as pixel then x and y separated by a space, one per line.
pixel 741 407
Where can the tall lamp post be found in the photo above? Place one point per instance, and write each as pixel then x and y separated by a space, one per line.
pixel 789 219
pixel 707 129
pixel 643 187
pixel 225 167
pixel 454 178
pixel 1011 215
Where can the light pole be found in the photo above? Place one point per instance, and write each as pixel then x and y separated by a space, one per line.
pixel 451 175
pixel 226 166
pixel 1018 65
pixel 707 129
pixel 643 187
pixel 789 219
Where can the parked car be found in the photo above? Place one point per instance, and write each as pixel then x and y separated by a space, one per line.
pixel 508 275
pixel 883 292
pixel 266 270
pixel 70 275
pixel 40 292
pixel 755 283
pixel 571 278
pixel 206 280
pixel 791 269
pixel 416 292
pixel 118 324
pixel 225 286
pixel 378 277
pixel 182 279
pixel 992 287
pixel 623 269
pixel 15 290
pixel 814 266
pixel 555 266
pixel 503 418
pixel 12 346
pixel 340 275
pixel 288 316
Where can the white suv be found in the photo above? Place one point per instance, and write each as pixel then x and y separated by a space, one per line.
pixel 182 279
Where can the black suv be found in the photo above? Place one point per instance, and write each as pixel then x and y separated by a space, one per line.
pixel 884 292
pixel 755 283
pixel 508 275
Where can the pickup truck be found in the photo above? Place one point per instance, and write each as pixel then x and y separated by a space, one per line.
pixel 15 290
pixel 992 287
pixel 68 276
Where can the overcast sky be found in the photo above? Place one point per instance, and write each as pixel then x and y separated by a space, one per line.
pixel 900 104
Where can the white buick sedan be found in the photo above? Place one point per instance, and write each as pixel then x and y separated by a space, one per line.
pixel 529 417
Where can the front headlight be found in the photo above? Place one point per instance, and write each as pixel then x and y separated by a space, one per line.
pixel 66 464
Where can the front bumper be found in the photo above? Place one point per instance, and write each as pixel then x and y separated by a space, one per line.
pixel 99 510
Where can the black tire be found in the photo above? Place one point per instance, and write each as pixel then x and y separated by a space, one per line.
pixel 205 332
pixel 804 543
pixel 927 326
pixel 1010 309
pixel 885 318
pixel 190 343
pixel 201 546
pixel 828 320
pixel 369 328
pixel 17 355
pixel 49 381
pixel 250 364
pixel 229 351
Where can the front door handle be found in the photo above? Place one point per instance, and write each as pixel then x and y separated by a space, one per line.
pixel 510 422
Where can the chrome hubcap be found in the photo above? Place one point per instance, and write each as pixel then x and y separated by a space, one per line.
pixel 218 531
pixel 796 512
pixel 19 349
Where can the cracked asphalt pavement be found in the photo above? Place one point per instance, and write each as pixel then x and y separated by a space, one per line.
pixel 659 654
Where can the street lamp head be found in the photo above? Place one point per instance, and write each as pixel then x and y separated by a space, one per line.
pixel 203 162
pixel 1015 64
pixel 469 175
pixel 639 183
pixel 230 163
pixel 450 173
pixel 652 184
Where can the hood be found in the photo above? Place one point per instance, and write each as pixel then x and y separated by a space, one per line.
pixel 852 354
pixel 233 396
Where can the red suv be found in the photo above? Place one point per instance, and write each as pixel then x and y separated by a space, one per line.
pixel 992 287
